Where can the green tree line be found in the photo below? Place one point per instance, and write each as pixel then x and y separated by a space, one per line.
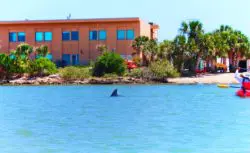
pixel 193 44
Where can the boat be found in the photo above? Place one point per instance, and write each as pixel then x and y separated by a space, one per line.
pixel 241 92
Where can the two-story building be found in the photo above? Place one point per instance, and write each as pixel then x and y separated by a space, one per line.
pixel 75 41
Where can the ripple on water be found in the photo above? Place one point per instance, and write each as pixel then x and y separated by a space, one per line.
pixel 24 132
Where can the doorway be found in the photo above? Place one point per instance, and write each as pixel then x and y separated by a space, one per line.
pixel 243 64
pixel 75 59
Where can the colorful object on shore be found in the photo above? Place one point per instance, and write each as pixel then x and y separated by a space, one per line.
pixel 221 66
pixel 130 64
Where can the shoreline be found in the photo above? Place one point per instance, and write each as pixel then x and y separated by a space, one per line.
pixel 208 79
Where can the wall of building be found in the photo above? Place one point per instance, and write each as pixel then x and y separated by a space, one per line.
pixel 145 29
pixel 86 49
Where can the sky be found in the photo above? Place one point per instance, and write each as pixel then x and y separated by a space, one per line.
pixel 167 13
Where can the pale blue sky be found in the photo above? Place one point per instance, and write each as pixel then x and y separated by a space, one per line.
pixel 167 13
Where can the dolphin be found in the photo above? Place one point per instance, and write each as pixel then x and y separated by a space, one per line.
pixel 114 93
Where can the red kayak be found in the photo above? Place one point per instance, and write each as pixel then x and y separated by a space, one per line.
pixel 243 94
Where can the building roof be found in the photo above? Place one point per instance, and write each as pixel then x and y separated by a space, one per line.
pixel 132 19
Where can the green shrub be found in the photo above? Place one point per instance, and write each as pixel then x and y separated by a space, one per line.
pixel 109 62
pixel 162 69
pixel 42 66
pixel 17 66
pixel 75 73
pixel 110 75
pixel 136 73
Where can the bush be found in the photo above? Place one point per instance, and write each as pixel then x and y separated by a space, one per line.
pixel 110 75
pixel 109 62
pixel 162 69
pixel 42 66
pixel 135 73
pixel 75 73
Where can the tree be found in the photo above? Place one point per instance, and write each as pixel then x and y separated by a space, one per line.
pixel 145 47
pixel 20 58
pixel 232 43
pixel 23 51
pixel 150 50
pixel 139 43
pixel 194 32
pixel 180 52
pixel 102 48
pixel 42 51
pixel 166 50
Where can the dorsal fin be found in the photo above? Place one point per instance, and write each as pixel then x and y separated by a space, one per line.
pixel 114 93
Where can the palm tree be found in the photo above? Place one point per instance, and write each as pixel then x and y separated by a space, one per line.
pixel 23 51
pixel 102 48
pixel 180 52
pixel 139 43
pixel 242 47
pixel 42 51
pixel 150 50
pixel 165 50
pixel 233 42
pixel 194 32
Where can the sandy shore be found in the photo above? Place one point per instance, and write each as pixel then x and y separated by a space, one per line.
pixel 224 78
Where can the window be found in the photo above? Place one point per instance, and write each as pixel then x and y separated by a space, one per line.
pixel 120 34
pixel 74 35
pixel 43 36
pixel 102 35
pixel 39 36
pixel 21 36
pixel 66 36
pixel 12 37
pixel 130 35
pixel 47 36
pixel 75 59
pixel 65 59
pixel 93 35
pixel 49 56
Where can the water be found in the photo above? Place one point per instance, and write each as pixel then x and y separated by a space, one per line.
pixel 145 119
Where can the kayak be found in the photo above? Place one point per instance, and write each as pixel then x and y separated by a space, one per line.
pixel 241 93
pixel 223 86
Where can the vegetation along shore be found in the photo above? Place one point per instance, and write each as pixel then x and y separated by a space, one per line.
pixel 171 61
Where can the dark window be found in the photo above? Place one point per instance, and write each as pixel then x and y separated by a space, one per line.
pixel 66 36
pixel 93 35
pixel 120 34
pixel 12 37
pixel 130 35
pixel 21 36
pixel 74 35
pixel 47 36
pixel 65 59
pixel 75 59
pixel 102 35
